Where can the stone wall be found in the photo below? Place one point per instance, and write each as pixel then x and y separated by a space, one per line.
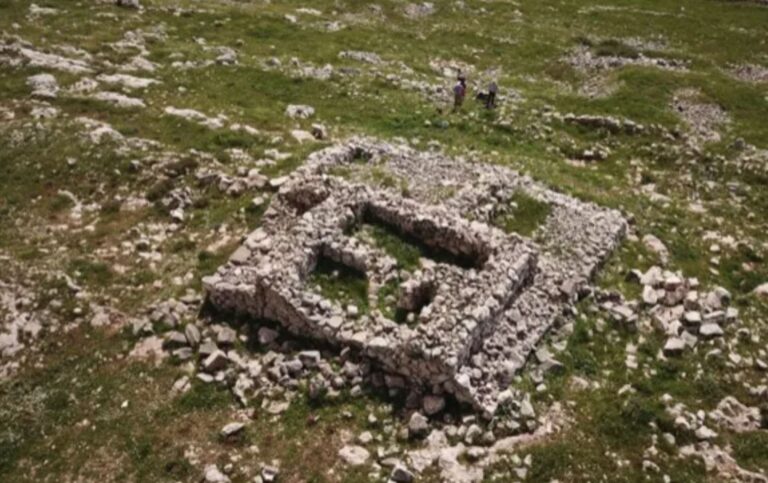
pixel 478 321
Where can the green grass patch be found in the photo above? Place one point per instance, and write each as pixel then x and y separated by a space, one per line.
pixel 203 397
pixel 751 450
pixel 341 283
pixel 525 216
pixel 407 253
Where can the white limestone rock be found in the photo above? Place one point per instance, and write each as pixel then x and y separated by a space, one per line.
pixel 354 455
pixel 43 86
pixel 299 111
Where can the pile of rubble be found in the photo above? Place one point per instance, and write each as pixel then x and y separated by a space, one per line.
pixel 705 120
pixel 608 123
pixel 268 368
pixel 676 306
pixel 477 320
pixel 584 59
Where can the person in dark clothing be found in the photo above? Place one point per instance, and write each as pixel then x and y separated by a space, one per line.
pixel 459 93
pixel 490 101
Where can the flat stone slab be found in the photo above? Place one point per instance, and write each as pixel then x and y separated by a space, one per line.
pixel 476 320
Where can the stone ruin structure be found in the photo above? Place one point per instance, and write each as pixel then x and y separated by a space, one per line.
pixel 478 312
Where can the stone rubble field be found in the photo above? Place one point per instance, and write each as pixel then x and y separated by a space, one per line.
pixel 251 241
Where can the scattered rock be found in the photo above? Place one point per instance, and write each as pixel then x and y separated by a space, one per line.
pixel 319 132
pixel 214 475
pixel 418 425
pixel 656 246
pixel 401 474
pixel 226 336
pixel 267 336
pixel 419 10
pixel 43 85
pixel 302 136
pixel 269 473
pixel 354 455
pixel 119 100
pixel 704 433
pixel 674 347
pixel 192 334
pixel 215 362
pixel 710 330
pixel 232 429
pixel 297 111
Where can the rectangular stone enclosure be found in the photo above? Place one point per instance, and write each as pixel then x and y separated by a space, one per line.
pixel 476 314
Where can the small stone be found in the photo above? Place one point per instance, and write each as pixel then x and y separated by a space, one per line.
pixel 207 348
pixel 319 132
pixel 226 336
pixel 192 333
pixel 301 136
pixel 761 290
pixel 231 429
pixel 276 183
pixel 181 385
pixel 488 438
pixel 174 339
pixel 299 111
pixel 401 474
pixel 704 433
pixel 278 407
pixel 372 420
pixel 266 335
pixel 215 362
pixel 723 295
pixel 365 437
pixel 177 215
pixel 674 347
pixel 354 455
pixel 183 353
pixel 649 295
pixel 433 404
pixel 673 283
pixel 203 377
pixel 241 255
pixel 473 434
pixel 669 438
pixel 526 409
pixel 418 425
pixel 43 85
pixel 710 330
pixel 476 453
pixel 692 318
pixel 310 358
pixel 294 367
pixel 269 473
pixel 214 475
pixel 655 245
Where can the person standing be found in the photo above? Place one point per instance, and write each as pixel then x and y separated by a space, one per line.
pixel 493 88
pixel 459 92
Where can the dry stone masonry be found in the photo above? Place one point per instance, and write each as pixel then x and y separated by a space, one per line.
pixel 479 311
